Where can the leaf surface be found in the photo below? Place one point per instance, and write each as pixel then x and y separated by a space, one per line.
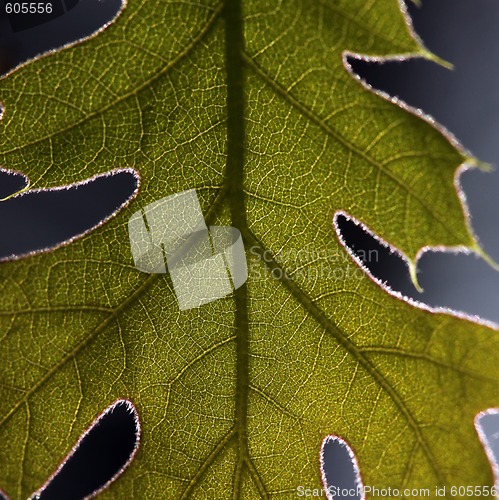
pixel 252 106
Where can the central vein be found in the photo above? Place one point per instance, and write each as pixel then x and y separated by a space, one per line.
pixel 234 46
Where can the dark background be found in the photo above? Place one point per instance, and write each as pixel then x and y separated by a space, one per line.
pixel 465 100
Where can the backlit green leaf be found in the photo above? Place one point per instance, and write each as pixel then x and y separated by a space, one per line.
pixel 252 106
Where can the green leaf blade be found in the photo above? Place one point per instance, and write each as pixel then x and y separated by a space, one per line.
pixel 227 407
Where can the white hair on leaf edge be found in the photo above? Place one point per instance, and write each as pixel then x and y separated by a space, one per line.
pixel 76 185
pixel 413 302
pixel 486 442
pixel 133 411
pixel 50 52
pixel 469 161
pixel 19 175
pixel 359 486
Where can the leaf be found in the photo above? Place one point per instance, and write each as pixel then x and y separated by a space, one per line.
pixel 256 112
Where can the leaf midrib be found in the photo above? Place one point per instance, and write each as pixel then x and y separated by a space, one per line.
pixel 234 179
